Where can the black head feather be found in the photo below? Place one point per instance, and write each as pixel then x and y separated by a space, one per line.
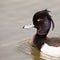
pixel 42 14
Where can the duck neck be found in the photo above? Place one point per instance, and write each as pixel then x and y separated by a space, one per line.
pixel 39 40
pixel 41 36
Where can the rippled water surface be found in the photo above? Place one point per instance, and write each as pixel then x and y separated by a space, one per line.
pixel 14 14
pixel 26 48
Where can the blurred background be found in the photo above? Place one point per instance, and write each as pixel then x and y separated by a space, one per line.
pixel 14 14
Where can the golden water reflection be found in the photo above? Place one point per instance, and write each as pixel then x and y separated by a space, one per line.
pixel 27 49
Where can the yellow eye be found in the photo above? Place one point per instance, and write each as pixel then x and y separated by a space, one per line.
pixel 38 20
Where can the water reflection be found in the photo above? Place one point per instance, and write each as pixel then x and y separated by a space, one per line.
pixel 35 53
pixel 27 49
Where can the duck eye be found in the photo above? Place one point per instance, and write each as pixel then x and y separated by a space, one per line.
pixel 38 20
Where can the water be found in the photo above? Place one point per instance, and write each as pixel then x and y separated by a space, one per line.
pixel 26 48
pixel 14 14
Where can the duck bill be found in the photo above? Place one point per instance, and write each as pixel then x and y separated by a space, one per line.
pixel 28 26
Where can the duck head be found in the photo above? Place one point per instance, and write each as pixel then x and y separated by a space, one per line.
pixel 42 22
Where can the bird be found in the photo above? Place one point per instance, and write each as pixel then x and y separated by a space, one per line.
pixel 43 21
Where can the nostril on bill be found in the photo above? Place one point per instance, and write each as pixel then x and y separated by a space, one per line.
pixel 23 27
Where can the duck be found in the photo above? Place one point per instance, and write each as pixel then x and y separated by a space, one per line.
pixel 43 21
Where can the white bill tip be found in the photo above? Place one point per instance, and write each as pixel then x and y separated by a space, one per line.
pixel 28 26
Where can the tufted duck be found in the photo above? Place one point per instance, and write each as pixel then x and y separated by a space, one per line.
pixel 42 22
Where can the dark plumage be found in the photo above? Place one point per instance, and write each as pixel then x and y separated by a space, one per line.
pixel 41 35
pixel 42 21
